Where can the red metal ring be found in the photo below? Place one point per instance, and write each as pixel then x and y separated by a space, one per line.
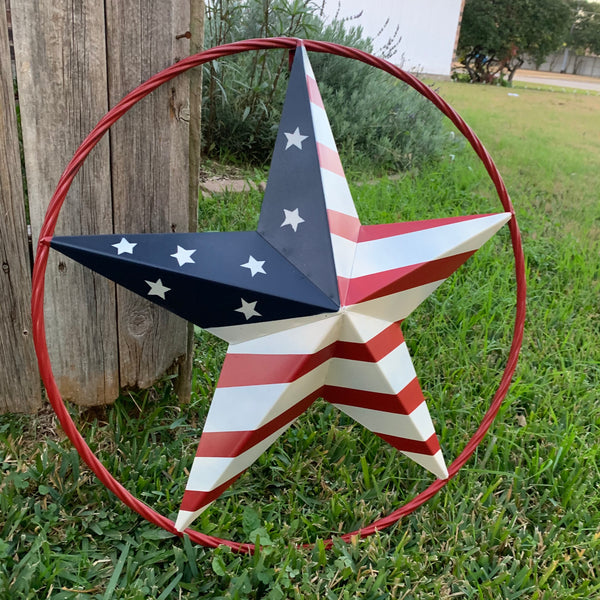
pixel 49 224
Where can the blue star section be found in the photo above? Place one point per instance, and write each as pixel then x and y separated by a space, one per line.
pixel 293 217
pixel 285 269
pixel 203 277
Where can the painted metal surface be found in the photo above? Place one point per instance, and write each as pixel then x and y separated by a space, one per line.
pixel 311 303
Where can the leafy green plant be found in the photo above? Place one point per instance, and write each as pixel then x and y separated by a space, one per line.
pixel 378 122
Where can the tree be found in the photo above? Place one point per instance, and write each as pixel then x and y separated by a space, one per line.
pixel 496 35
pixel 584 35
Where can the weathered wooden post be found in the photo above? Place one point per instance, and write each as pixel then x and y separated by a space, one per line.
pixel 74 61
pixel 19 380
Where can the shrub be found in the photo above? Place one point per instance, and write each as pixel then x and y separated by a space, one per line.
pixel 378 122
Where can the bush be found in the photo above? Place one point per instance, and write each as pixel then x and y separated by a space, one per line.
pixel 378 122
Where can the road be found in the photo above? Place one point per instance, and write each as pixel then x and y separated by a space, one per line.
pixel 558 80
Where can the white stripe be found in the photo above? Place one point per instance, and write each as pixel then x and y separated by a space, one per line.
pixel 416 247
pixel 209 472
pixel 305 339
pixel 307 66
pixel 388 376
pixel 396 307
pixel 186 517
pixel 235 334
pixel 361 328
pixel 337 193
pixel 436 463
pixel 247 408
pixel 416 426
pixel 323 134
pixel 343 255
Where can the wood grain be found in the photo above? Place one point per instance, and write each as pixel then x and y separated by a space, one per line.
pixel 149 152
pixel 74 60
pixel 197 13
pixel 61 69
pixel 19 379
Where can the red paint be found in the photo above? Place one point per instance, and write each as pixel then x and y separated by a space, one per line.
pixel 313 92
pixel 344 225
pixel 402 403
pixel 369 233
pixel 330 160
pixel 394 281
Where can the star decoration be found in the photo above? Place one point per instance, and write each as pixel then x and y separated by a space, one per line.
pixel 124 247
pixel 157 289
pixel 248 309
pixel 330 310
pixel 292 218
pixel 295 139
pixel 183 256
pixel 255 266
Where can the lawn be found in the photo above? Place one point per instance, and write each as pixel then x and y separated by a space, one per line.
pixel 521 520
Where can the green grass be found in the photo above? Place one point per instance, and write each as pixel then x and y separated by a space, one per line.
pixel 521 520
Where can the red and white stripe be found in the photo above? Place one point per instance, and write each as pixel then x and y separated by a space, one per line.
pixel 356 359
pixel 358 363
pixel 265 384
pixel 397 266
pixel 344 224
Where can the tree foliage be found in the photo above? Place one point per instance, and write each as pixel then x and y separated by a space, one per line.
pixel 584 36
pixel 496 35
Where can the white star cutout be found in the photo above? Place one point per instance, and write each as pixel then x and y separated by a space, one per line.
pixel 292 218
pixel 124 247
pixel 183 256
pixel 157 288
pixel 248 309
pixel 255 266
pixel 295 139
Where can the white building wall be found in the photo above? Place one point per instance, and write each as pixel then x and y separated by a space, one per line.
pixel 428 29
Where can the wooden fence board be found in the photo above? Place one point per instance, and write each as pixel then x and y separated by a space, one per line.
pixel 149 150
pixel 197 12
pixel 74 60
pixel 61 70
pixel 19 380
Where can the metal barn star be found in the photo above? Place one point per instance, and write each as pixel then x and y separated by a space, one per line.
pixel 310 303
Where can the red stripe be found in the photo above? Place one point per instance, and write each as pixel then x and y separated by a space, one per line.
pixel 313 91
pixel 369 233
pixel 345 226
pixel 265 369
pixel 329 159
pixel 430 447
pixel 403 403
pixel 232 443
pixel 375 349
pixel 193 500
pixel 393 281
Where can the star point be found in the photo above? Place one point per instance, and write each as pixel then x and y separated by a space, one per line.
pixel 184 256
pixel 295 139
pixel 124 247
pixel 248 309
pixel 157 288
pixel 255 266
pixel 292 218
